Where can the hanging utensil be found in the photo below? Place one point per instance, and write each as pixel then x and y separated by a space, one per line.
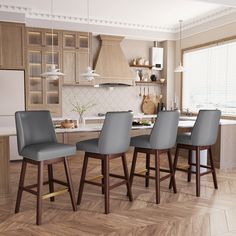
pixel 144 94
pixel 140 91
pixel 148 95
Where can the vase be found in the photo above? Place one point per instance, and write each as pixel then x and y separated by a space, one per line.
pixel 81 119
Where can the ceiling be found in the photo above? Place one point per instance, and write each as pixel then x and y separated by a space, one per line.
pixel 133 18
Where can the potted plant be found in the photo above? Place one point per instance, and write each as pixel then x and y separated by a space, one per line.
pixel 81 108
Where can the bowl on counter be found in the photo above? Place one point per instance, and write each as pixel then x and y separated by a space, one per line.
pixel 67 124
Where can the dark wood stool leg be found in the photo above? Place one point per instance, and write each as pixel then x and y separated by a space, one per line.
pixel 70 184
pixel 107 184
pixel 157 176
pixel 190 166
pixel 21 185
pixel 175 163
pixel 124 162
pixel 50 180
pixel 83 174
pixel 172 172
pixel 198 172
pixel 133 167
pixel 39 193
pixel 213 168
pixel 102 164
pixel 147 170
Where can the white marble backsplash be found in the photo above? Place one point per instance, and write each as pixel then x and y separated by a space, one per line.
pixel 118 99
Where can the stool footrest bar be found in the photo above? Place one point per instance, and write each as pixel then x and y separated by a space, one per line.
pixel 29 190
pixel 61 191
pixel 117 184
pixel 117 176
pixel 93 183
pixel 95 177
pixel 60 182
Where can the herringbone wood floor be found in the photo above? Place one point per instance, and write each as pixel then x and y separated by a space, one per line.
pixel 214 213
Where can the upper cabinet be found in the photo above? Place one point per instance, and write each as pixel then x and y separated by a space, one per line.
pixel 12 45
pixel 69 40
pixel 70 53
pixel 75 57
pixel 36 37
pixel 43 93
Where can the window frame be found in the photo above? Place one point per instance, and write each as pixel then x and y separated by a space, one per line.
pixel 199 47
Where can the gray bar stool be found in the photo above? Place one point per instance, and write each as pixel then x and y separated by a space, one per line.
pixel 161 140
pixel 113 143
pixel 202 137
pixel 37 144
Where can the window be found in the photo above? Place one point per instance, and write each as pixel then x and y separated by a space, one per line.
pixel 210 79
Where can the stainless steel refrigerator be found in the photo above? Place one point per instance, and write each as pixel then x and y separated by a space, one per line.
pixel 12 99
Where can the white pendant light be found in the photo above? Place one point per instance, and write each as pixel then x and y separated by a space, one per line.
pixel 53 72
pixel 180 68
pixel 89 73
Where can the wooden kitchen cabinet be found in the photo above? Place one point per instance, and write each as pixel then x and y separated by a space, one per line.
pixel 12 45
pixel 43 93
pixel 4 166
pixel 70 60
pixel 71 53
pixel 37 38
pixel 69 40
pixel 34 38
pixel 75 57
pixel 84 60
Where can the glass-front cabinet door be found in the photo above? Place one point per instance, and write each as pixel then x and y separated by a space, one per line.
pixel 83 41
pixel 35 38
pixel 35 80
pixel 52 90
pixel 69 40
pixel 44 93
pixel 52 39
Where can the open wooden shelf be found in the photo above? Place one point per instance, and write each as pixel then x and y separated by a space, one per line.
pixel 149 82
pixel 142 66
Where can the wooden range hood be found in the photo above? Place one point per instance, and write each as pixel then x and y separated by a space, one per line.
pixel 112 64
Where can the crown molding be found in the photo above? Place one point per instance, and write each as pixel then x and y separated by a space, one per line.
pixel 11 8
pixel 84 20
pixel 221 12
pixel 187 25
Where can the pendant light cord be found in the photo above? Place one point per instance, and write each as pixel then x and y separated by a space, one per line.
pixel 88 15
pixel 52 31
pixel 180 34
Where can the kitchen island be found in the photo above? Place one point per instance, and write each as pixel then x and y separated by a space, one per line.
pixel 223 151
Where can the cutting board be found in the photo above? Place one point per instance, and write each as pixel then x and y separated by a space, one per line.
pixel 149 105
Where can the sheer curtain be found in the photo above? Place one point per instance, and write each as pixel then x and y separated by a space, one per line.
pixel 210 79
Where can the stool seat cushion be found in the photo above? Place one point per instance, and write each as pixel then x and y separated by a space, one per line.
pixel 184 138
pixel 141 141
pixel 90 145
pixel 48 151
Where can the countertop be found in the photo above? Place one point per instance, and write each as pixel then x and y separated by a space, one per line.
pixel 185 122
pixel 95 117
